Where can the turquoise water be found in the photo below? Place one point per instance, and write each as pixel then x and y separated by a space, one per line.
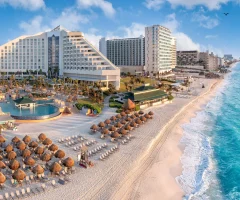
pixel 40 110
pixel 45 101
pixel 211 159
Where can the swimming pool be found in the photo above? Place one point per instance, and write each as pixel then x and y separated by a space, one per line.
pixel 39 112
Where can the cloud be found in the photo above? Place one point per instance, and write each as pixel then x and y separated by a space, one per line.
pixel 135 30
pixel 33 26
pixel 189 4
pixel 185 43
pixel 211 36
pixel 204 20
pixel 104 5
pixel 213 49
pixel 24 4
pixel 70 19
pixel 171 22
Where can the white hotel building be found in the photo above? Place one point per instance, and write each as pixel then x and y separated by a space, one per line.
pixel 59 53
pixel 159 49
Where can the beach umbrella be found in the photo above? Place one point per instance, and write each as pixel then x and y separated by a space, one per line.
pixel 68 162
pixel 115 135
pixel 107 121
pixel 29 161
pixel 15 140
pixel 60 154
pixel 33 144
pixel 142 118
pixel 136 114
pixel 14 165
pixel 55 167
pixel 46 157
pixel 133 116
pixel 53 147
pixel 129 119
pixel 26 153
pixel 123 114
pixel 39 150
pixel 113 118
pixel 37 169
pixel 2 139
pixel 105 131
pixel 19 175
pixel 2 165
pixel 8 148
pixel 138 121
pixel 112 128
pixel 140 112
pixel 1 158
pixel 2 178
pixel 118 125
pixel 123 122
pixel 127 112
pixel 47 142
pixel 21 146
pixel 118 116
pixel 128 127
pixel 150 113
pixel 133 124
pixel 42 137
pixel 147 116
pixel 11 155
pixel 101 125
pixel 129 105
pixel 27 139
pixel 123 132
pixel 94 127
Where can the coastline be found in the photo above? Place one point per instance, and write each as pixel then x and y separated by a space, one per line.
pixel 158 177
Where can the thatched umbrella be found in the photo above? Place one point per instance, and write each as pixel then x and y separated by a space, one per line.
pixel 101 125
pixel 115 135
pixel 123 122
pixel 123 114
pixel 46 157
pixel 150 113
pixel 21 146
pixel 112 128
pixel 1 158
pixel 107 121
pixel 29 161
pixel 55 167
pixel 118 125
pixel 53 147
pixel 147 116
pixel 19 175
pixel 27 139
pixel 8 148
pixel 129 119
pixel 39 150
pixel 127 127
pixel 47 142
pixel 14 165
pixel 37 169
pixel 129 105
pixel 94 127
pixel 138 121
pixel 2 139
pixel 42 137
pixel 133 116
pixel 68 162
pixel 123 132
pixel 136 114
pixel 2 165
pixel 142 118
pixel 133 124
pixel 2 179
pixel 15 140
pixel 11 155
pixel 140 112
pixel 105 131
pixel 113 118
pixel 26 153
pixel 33 144
pixel 127 112
pixel 118 116
pixel 60 154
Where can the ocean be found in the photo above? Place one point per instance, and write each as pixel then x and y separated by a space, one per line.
pixel 211 159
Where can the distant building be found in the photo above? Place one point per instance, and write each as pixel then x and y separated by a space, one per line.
pixel 158 49
pixel 103 46
pixel 188 57
pixel 174 52
pixel 228 57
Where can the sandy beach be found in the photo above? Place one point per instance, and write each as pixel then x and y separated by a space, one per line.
pixel 145 168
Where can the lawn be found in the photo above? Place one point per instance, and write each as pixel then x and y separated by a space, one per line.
pixel 127 79
pixel 89 101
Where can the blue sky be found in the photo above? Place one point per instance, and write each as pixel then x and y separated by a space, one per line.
pixel 197 24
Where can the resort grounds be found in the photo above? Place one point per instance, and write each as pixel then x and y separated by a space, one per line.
pixel 143 168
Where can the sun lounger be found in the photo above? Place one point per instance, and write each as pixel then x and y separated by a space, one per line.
pixel 18 194
pixel 29 192
pixel 13 195
pixel 73 170
pixel 54 184
pixel 6 195
pixel 1 197
pixel 32 178
pixel 23 192
pixel 14 183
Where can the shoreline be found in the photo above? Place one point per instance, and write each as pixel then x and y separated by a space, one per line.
pixel 165 156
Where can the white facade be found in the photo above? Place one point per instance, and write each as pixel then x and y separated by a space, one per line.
pixel 158 49
pixel 103 46
pixel 174 52
pixel 58 53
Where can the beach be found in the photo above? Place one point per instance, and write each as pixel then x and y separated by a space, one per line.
pixel 145 168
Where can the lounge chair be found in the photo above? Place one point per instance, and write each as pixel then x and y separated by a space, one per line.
pixel 44 188
pixel 32 178
pixel 14 184
pixel 18 194
pixel 27 180
pixel 1 197
pixel 6 195
pixel 54 184
pixel 29 192
pixel 23 192
pixel 13 195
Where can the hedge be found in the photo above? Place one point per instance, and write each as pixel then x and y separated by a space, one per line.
pixel 137 107
pixel 170 97
pixel 90 106
pixel 115 105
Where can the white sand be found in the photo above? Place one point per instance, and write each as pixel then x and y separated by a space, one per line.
pixel 114 177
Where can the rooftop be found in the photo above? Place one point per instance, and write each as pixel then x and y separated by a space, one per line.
pixel 24 100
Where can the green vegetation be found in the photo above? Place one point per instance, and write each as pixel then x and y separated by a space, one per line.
pixel 115 105
pixel 89 104
pixel 137 107
pixel 170 97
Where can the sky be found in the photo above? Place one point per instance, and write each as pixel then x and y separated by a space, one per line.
pixel 196 24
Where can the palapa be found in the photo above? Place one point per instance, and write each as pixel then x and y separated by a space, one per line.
pixel 115 135
pixel 127 112
pixel 113 118
pixel 46 157
pixel 147 116
pixel 68 162
pixel 129 119
pixel 150 113
pixel 2 139
pixel 42 137
pixel 2 165
pixel 15 140
pixel 107 121
pixel 1 158
pixel 33 144
pixel 37 169
pixel 112 128
pixel 2 178
pixel 128 127
pixel 138 121
pixel 123 132
pixel 129 105
pixel 142 118
pixel 118 116
pixel 118 125
pixel 47 142
pixel 19 175
pixel 123 114
pixel 27 139
pixel 26 153
pixel 55 167
pixel 29 161
pixel 8 148
pixel 101 125
pixel 94 127
pixel 39 150
pixel 21 146
pixel 140 112
pixel 60 154
pixel 14 165
pixel 105 131
pixel 53 147
pixel 123 122
pixel 11 155
pixel 133 124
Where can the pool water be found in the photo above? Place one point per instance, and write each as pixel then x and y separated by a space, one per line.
pixel 39 110
pixel 45 101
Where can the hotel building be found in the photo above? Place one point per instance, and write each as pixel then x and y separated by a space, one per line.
pixel 158 49
pixel 59 53
pixel 187 57
pixel 174 52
